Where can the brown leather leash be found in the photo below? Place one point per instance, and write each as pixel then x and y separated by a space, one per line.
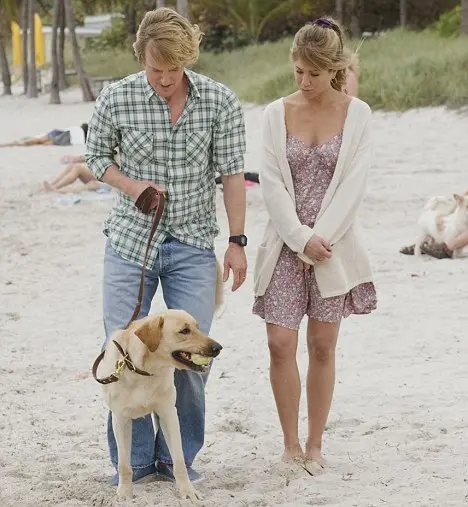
pixel 149 200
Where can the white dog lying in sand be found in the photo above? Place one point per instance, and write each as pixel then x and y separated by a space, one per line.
pixel 155 345
pixel 442 220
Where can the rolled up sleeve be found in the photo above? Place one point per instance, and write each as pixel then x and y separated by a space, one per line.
pixel 229 138
pixel 102 137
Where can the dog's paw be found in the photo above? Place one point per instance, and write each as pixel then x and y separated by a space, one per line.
pixel 124 492
pixel 188 492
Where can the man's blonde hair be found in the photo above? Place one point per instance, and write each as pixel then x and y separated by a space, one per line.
pixel 169 36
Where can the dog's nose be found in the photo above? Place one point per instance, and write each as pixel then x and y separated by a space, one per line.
pixel 216 348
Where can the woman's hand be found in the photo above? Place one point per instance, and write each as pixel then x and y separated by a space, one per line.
pixel 318 249
pixel 303 266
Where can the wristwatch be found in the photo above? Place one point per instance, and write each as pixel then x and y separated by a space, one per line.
pixel 238 240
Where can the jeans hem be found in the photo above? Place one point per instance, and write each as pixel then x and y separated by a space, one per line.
pixel 169 462
pixel 136 467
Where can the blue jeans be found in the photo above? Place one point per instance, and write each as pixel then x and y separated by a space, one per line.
pixel 188 280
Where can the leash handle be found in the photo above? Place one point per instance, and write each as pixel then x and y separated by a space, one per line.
pixel 150 199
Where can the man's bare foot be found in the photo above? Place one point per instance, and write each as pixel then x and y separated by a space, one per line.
pixel 293 454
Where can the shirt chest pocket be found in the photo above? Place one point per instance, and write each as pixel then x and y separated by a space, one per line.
pixel 138 146
pixel 197 148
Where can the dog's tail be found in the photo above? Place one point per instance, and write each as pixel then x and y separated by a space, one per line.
pixel 219 296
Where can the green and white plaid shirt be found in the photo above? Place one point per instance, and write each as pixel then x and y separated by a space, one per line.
pixel 208 138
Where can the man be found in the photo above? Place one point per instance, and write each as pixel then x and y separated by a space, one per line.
pixel 174 129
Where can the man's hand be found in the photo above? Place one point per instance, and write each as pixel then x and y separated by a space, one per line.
pixel 318 249
pixel 235 260
pixel 136 187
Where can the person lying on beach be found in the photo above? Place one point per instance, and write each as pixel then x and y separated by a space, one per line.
pixel 71 136
pixel 71 174
pixel 439 250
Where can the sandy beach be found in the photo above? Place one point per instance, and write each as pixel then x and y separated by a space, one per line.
pixel 397 433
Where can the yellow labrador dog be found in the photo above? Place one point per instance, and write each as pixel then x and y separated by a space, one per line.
pixel 153 347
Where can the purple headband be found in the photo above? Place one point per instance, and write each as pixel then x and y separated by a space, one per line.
pixel 325 23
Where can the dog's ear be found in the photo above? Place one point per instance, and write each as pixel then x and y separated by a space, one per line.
pixel 458 198
pixel 150 333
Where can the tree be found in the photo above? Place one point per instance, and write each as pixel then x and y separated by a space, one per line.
pixel 130 17
pixel 24 38
pixel 55 85
pixel 464 17
pixel 88 95
pixel 339 11
pixel 403 13
pixel 354 25
pixel 182 8
pixel 250 16
pixel 32 72
pixel 7 12
pixel 5 69
pixel 160 3
pixel 61 48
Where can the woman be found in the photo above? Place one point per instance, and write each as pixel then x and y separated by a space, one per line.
pixel 71 136
pixel 316 151
pixel 77 170
pixel 70 174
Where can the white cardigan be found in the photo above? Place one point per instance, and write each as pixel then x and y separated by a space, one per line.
pixel 336 221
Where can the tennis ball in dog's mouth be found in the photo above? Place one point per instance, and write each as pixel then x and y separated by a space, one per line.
pixel 200 360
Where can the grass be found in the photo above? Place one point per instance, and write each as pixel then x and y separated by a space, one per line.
pixel 399 71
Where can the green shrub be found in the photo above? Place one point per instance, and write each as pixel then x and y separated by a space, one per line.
pixel 448 25
pixel 114 37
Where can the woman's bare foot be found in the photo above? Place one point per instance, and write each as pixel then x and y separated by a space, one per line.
pixel 47 187
pixel 291 454
pixel 314 461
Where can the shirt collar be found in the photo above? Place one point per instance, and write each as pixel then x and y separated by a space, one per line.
pixel 193 90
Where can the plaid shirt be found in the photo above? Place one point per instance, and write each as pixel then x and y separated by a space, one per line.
pixel 208 138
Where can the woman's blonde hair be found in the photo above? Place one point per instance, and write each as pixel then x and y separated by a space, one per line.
pixel 321 45
pixel 171 37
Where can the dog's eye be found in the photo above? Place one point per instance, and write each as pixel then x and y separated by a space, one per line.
pixel 186 330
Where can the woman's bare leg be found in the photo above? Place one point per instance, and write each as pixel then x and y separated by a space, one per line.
pixel 321 343
pixel 286 385
pixel 61 174
pixel 71 174
pixel 32 141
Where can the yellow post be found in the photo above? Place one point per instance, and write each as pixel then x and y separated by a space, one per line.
pixel 16 44
pixel 39 41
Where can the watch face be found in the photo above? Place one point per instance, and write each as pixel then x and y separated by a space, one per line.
pixel 239 240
